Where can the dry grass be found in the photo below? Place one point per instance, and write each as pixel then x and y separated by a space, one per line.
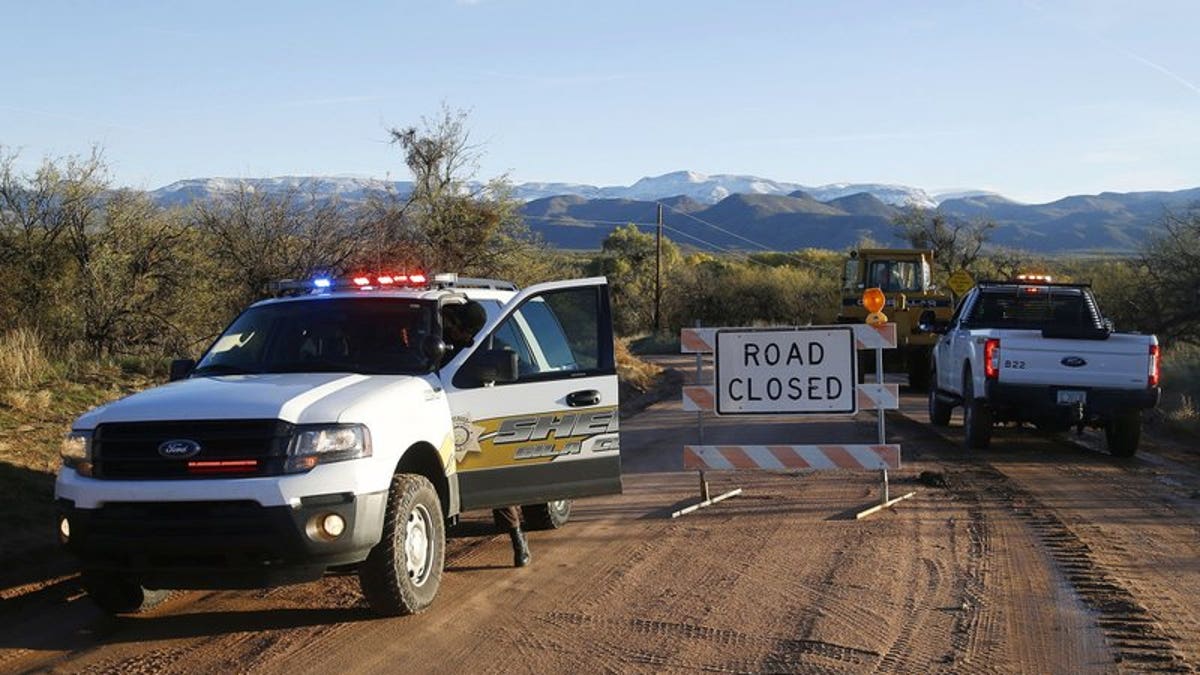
pixel 23 401
pixel 1181 388
pixel 633 371
pixel 23 362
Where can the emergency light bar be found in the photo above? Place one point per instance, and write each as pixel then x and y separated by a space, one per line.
pixel 1035 278
pixel 363 282
pixel 370 282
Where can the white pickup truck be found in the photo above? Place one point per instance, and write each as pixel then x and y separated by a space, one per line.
pixel 341 429
pixel 1041 353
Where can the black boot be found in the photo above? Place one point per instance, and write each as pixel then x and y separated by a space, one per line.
pixel 520 548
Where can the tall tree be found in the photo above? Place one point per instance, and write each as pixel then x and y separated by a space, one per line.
pixel 261 238
pixel 60 201
pixel 627 258
pixel 956 244
pixel 1168 290
pixel 450 221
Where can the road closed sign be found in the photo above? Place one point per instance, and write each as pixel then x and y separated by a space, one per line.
pixel 786 371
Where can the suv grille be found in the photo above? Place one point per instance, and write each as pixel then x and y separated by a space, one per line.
pixel 228 448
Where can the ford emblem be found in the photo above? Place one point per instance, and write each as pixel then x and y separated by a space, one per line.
pixel 1073 362
pixel 179 448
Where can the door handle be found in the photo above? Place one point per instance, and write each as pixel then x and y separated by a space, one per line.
pixel 586 397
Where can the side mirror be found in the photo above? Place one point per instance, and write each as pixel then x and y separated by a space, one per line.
pixel 928 323
pixel 433 349
pixel 494 365
pixel 181 368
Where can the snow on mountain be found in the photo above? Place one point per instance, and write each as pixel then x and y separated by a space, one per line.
pixel 698 186
pixel 944 195
pixel 710 189
pixel 322 187
pixel 896 195
pixel 704 188
pixel 530 191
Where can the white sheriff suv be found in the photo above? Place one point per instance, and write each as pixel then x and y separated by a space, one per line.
pixel 336 429
pixel 1039 352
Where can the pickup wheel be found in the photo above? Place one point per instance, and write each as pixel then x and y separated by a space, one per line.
pixel 548 515
pixel 1123 433
pixel 402 573
pixel 977 417
pixel 939 410
pixel 118 594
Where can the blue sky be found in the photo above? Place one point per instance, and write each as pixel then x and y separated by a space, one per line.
pixel 1035 99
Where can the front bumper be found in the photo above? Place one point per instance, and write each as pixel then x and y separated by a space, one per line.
pixel 1039 402
pixel 222 544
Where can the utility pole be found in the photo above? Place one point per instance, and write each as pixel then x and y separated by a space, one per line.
pixel 658 274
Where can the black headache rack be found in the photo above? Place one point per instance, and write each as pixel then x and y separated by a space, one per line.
pixel 1053 330
pixel 1027 282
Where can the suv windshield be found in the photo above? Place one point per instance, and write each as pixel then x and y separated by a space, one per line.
pixel 355 335
pixel 1034 307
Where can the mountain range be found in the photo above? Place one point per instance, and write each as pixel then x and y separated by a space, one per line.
pixel 714 212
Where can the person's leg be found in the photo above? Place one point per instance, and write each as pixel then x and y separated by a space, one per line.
pixel 510 518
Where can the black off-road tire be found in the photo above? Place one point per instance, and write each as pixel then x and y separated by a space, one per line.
pixel 939 410
pixel 118 594
pixel 977 417
pixel 1123 433
pixel 402 573
pixel 919 370
pixel 547 515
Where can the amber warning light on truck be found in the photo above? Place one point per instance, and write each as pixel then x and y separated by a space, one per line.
pixel 786 371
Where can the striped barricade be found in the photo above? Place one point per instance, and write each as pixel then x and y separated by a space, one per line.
pixel 784 457
pixel 855 457
pixel 704 340
pixel 871 396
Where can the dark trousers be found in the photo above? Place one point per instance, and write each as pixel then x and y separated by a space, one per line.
pixel 508 517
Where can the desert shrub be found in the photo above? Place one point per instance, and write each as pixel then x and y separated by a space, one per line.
pixel 631 370
pixel 23 361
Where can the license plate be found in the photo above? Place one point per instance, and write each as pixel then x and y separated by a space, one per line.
pixel 1068 397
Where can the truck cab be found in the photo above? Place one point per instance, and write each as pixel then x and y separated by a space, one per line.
pixel 905 277
pixel 341 427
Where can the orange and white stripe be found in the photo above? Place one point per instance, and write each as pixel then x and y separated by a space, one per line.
pixel 698 340
pixel 875 337
pixel 784 457
pixel 704 340
pixel 699 398
pixel 702 398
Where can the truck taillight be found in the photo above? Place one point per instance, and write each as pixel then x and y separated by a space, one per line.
pixel 991 358
pixel 1155 366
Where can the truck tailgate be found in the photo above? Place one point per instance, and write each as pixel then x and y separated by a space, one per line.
pixel 1120 362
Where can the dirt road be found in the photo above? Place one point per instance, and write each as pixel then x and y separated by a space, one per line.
pixel 1038 555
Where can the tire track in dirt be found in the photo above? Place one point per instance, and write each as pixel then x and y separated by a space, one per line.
pixel 643 643
pixel 122 640
pixel 295 645
pixel 1124 556
pixel 1134 634
pixel 782 650
pixel 1138 638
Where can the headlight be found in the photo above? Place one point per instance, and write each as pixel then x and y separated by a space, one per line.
pixel 76 451
pixel 312 445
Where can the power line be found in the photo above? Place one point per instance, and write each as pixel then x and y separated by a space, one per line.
pixel 721 249
pixel 563 220
pixel 764 247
